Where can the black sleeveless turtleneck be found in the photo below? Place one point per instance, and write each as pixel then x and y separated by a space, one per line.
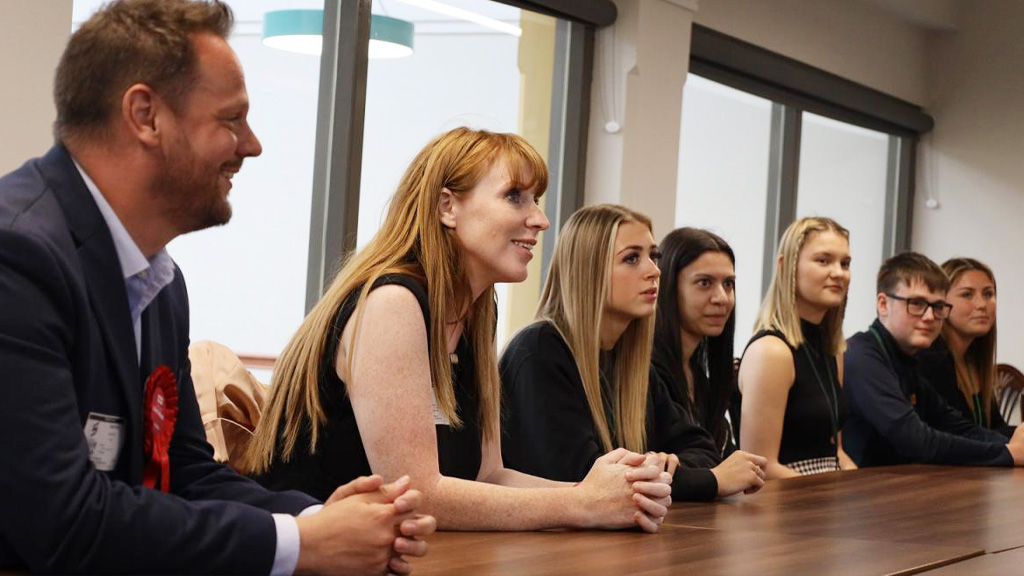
pixel 813 401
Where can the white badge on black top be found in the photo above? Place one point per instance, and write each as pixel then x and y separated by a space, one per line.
pixel 439 418
pixel 104 434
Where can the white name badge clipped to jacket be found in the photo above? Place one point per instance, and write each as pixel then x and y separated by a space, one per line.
pixel 104 434
pixel 439 418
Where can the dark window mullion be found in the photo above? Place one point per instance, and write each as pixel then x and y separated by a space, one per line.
pixel 899 195
pixel 783 171
pixel 570 115
pixel 337 164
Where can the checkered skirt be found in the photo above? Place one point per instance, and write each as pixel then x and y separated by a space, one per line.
pixel 815 465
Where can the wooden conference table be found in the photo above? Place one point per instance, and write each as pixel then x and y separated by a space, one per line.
pixel 894 520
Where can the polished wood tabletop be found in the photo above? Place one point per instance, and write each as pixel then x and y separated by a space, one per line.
pixel 674 550
pixel 895 520
pixel 947 506
pixel 1005 563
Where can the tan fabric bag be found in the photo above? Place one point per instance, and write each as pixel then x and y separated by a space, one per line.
pixel 230 399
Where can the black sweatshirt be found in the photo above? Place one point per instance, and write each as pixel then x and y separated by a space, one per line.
pixel 547 429
pixel 895 417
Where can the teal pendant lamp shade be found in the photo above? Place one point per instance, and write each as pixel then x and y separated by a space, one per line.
pixel 294 30
pixel 390 37
pixel 300 31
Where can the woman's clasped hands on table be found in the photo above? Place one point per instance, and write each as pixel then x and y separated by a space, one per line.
pixel 625 488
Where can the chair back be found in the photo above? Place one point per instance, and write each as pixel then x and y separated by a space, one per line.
pixel 1010 383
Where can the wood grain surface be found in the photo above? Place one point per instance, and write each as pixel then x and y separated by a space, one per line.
pixel 896 520
pixel 946 506
pixel 1005 563
pixel 675 550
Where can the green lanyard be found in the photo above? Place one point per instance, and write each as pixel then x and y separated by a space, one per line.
pixel 881 345
pixel 978 411
pixel 831 398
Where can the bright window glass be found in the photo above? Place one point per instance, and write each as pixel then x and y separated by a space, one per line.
pixel 247 280
pixel 460 74
pixel 843 176
pixel 723 181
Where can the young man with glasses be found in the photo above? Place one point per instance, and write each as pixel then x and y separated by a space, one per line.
pixel 894 416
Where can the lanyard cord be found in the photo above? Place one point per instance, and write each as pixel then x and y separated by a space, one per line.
pixel 977 411
pixel 831 398
pixel 881 346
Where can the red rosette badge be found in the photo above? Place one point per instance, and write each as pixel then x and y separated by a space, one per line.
pixel 160 412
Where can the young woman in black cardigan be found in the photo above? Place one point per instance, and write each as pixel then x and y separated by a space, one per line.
pixel 961 365
pixel 693 332
pixel 578 383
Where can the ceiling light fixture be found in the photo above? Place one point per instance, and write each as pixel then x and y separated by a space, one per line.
pixel 301 31
pixel 454 12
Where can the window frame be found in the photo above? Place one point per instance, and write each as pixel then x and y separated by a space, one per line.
pixel 341 113
pixel 794 88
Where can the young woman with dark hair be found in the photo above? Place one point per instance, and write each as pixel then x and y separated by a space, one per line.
pixel 693 332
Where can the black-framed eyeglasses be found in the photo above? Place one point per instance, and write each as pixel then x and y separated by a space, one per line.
pixel 918 306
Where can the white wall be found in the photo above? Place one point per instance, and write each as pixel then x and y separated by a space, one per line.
pixel 972 162
pixel 852 39
pixel 640 67
pixel 32 38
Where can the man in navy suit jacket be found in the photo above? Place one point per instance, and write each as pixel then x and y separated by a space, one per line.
pixel 151 127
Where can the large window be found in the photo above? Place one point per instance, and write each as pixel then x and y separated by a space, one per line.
pixel 460 74
pixel 766 140
pixel 843 176
pixel 729 185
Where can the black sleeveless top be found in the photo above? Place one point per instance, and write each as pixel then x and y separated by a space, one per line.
pixel 340 456
pixel 815 409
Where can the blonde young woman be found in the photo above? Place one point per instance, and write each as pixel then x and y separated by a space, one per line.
pixel 790 375
pixel 394 371
pixel 961 364
pixel 578 382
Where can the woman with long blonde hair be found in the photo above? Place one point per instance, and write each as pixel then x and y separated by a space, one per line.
pixel 790 375
pixel 961 364
pixel 578 381
pixel 394 371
